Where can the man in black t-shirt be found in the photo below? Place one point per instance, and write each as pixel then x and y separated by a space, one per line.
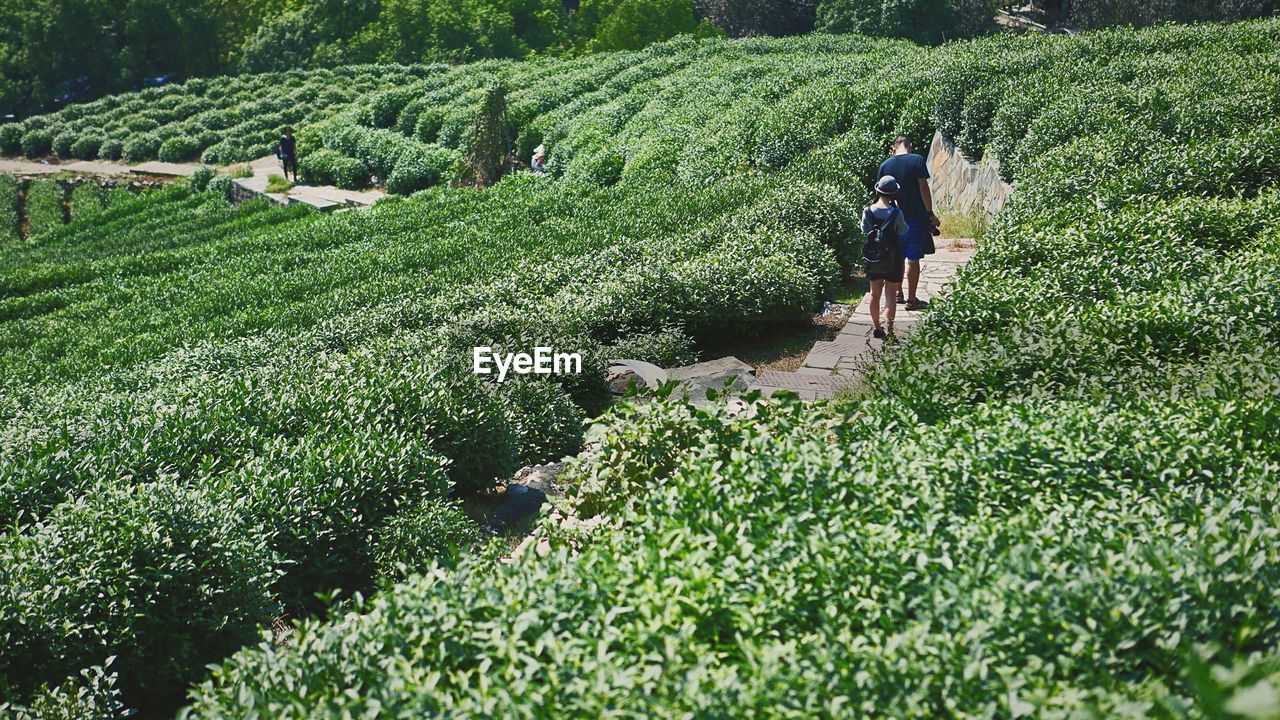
pixel 916 203
pixel 287 151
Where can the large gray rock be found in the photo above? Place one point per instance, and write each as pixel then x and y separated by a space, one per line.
pixel 695 380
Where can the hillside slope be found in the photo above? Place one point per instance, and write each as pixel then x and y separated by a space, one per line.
pixel 1058 500
pixel 212 413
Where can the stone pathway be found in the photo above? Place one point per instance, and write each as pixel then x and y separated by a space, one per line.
pixel 19 166
pixel 321 197
pixel 832 366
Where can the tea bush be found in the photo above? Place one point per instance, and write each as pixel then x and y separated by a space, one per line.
pixel 36 143
pixel 11 138
pixel 86 200
pixel 45 206
pixel 436 532
pixel 179 149
pixel 86 146
pixel 9 226
pixel 239 115
pixel 326 167
pixel 164 578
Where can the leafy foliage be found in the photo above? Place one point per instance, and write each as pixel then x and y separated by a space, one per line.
pixel 436 532
pixel 925 21
pixel 45 204
pixel 9 225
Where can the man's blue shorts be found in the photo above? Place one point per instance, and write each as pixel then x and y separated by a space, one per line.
pixel 913 241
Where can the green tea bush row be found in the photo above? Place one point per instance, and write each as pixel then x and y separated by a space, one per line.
pixel 161 577
pixel 233 120
pixel 45 206
pixel 326 167
pixel 9 206
pixel 85 201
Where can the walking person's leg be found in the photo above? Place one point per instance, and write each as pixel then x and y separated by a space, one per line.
pixel 913 248
pixel 890 307
pixel 877 287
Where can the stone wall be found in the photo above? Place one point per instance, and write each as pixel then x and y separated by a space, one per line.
pixel 961 186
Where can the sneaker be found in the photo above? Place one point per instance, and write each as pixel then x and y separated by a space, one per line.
pixel 880 334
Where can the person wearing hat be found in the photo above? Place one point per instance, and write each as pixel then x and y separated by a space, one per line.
pixel 539 162
pixel 916 202
pixel 287 151
pixel 885 226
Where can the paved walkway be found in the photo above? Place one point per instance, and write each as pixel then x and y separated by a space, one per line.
pixel 20 166
pixel 834 365
pixel 321 197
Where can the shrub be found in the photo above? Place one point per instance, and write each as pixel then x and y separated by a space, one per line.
pixel 36 143
pixel 385 106
pixel 668 347
pixel 11 138
pixel 323 497
pixel 222 185
pixel 139 147
pixel 86 200
pixel 546 422
pixel 201 178
pixel 166 579
pixel 138 124
pixel 420 168
pixel 63 142
pixel 86 147
pixel 90 696
pixel 179 149
pixel 46 209
pixel 8 208
pixel 603 168
pixel 434 532
pixel 326 167
pixel 111 149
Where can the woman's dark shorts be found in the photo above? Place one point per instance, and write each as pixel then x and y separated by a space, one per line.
pixel 894 277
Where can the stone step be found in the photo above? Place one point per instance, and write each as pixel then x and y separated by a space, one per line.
pixel 800 383
pixel 164 168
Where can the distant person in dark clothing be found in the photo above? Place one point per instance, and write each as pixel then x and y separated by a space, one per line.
pixel 916 202
pixel 287 151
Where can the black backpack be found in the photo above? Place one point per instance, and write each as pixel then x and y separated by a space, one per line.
pixel 882 251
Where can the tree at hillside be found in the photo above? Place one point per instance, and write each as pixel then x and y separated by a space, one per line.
pixel 925 21
pixel 634 24
pixel 487 156
pixel 293 38
pixel 408 31
pixel 1104 13
pixel 69 49
pixel 745 18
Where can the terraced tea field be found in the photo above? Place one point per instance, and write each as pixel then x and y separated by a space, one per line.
pixel 1057 499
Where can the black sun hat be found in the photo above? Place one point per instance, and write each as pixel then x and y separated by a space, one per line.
pixel 888 185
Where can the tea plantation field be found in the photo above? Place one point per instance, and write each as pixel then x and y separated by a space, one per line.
pixel 1058 500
